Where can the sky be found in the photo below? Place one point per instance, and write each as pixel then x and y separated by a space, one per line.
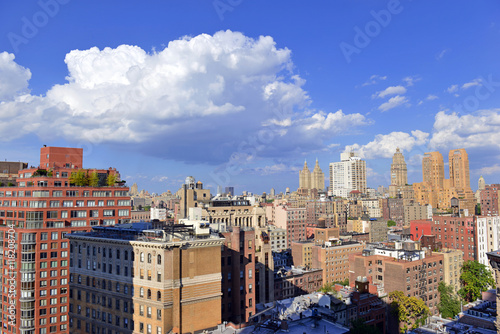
pixel 240 93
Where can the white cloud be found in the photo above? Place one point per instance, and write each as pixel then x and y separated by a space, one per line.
pixel 431 97
pixel 441 54
pixel 452 89
pixel 374 79
pixel 489 170
pixel 392 90
pixel 393 102
pixel 410 80
pixel 384 146
pixel 225 88
pixel 14 78
pixel 480 129
pixel 275 169
pixel 159 178
pixel 475 82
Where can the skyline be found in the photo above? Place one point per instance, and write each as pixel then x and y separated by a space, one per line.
pixel 260 88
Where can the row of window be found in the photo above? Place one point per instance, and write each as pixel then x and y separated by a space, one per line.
pixel 60 193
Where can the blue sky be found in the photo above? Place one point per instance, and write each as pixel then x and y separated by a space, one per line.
pixel 241 92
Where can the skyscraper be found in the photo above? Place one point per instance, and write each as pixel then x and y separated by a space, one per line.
pixel 399 172
pixel 433 169
pixel 314 180
pixel 347 175
pixel 459 169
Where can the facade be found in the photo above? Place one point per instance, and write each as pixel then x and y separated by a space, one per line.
pixel 334 260
pixel 290 283
pixel 191 195
pixel 488 237
pixel 329 210
pixel 416 211
pixel 302 254
pixel 159 214
pixel 399 171
pixel 293 220
pixel 489 200
pixel 38 214
pixel 494 259
pixel 277 237
pixel 347 175
pixel 314 180
pixel 9 172
pixel 438 191
pixel 378 230
pixel 453 261
pixel 416 273
pixel 135 280
pixel 372 207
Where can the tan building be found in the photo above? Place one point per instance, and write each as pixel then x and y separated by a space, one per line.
pixel 416 211
pixel 437 191
pixel 135 280
pixel 453 260
pixel 347 175
pixel 333 258
pixel 314 180
pixel 302 253
pixel 191 195
pixel 399 171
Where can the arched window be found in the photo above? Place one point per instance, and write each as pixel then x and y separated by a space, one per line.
pixel 125 289
pixel 110 285
pixel 126 255
pixel 149 257
pixel 158 259
pixel 141 292
pixel 158 296
pixel 79 279
pixel 117 253
pixel 149 293
pixel 142 257
pixel 88 281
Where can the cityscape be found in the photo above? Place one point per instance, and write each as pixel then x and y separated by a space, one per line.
pixel 226 166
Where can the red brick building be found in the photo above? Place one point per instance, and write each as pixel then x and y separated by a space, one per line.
pixel 35 216
pixel 489 200
pixel 451 232
pixel 418 228
pixel 297 281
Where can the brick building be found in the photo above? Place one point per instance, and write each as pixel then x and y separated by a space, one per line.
pixel 334 259
pixel 40 211
pixel 489 200
pixel 293 282
pixel 415 273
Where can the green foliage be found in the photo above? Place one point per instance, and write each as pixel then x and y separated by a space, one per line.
pixel 10 184
pixel 111 180
pixel 79 178
pixel 93 179
pixel 475 278
pixel 478 209
pixel 391 223
pixel 358 326
pixel 329 287
pixel 411 311
pixel 39 172
pixel 449 304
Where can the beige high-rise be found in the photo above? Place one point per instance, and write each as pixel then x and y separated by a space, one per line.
pixel 314 180
pixel 399 171
pixel 459 169
pixel 433 169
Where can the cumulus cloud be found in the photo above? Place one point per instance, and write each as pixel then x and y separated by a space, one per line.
pixel 489 170
pixel 393 102
pixel 196 100
pixel 480 129
pixel 431 97
pixel 392 90
pixel 384 146
pixel 15 78
pixel 410 80
pixel 475 82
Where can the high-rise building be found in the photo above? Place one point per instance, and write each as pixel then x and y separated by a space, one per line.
pixel 133 279
pixel 314 180
pixel 347 175
pixel 433 169
pixel 399 171
pixel 489 200
pixel 50 201
pixel 459 169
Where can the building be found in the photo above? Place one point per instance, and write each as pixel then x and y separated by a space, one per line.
pixel 293 220
pixel 487 236
pixel 415 272
pixel 191 195
pixel 489 200
pixel 438 191
pixel 293 282
pixel 399 187
pixel 49 202
pixel 494 259
pixel 333 258
pixel 332 211
pixel 302 253
pixel 9 172
pixel 453 261
pixel 229 191
pixel 416 211
pixel 314 180
pixel 277 237
pixel 158 213
pixel 129 279
pixel 347 175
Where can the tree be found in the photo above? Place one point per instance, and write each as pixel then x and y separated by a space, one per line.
pixel 79 178
pixel 449 304
pixel 111 180
pixel 475 278
pixel 94 179
pixel 478 209
pixel 391 223
pixel 411 311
